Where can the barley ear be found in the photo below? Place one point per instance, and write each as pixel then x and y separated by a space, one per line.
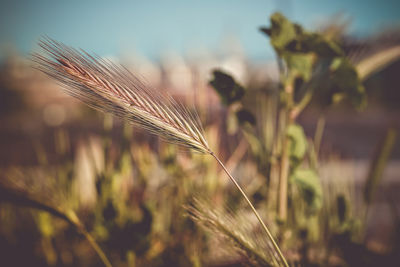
pixel 111 88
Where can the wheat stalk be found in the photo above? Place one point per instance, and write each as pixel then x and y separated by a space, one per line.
pixel 110 88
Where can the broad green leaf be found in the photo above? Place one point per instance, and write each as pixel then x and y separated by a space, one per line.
pixel 299 49
pixel 308 183
pixel 282 32
pixel 346 83
pixel 318 44
pixel 291 37
pixel 302 50
pixel 298 142
pixel 226 87
pixel 299 64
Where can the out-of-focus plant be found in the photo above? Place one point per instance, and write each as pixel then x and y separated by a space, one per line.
pixel 136 218
pixel 310 64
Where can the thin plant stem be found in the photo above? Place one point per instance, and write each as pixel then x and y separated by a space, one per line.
pixel 297 109
pixel 375 174
pixel 284 165
pixel 96 247
pixel 253 209
pixel 73 219
pixel 283 180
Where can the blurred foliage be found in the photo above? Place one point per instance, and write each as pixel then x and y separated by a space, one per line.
pixel 307 212
pixel 137 214
pixel 308 54
pixel 227 88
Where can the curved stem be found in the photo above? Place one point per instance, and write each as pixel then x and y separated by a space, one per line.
pixel 96 247
pixel 74 221
pixel 21 198
pixel 276 247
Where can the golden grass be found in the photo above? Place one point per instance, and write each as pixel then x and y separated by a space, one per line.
pixel 107 87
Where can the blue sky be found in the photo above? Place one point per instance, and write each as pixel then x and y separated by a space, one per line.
pixel 153 27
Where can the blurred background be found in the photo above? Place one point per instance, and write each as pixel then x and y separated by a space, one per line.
pixel 129 189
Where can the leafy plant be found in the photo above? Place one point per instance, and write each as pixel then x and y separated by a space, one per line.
pixel 310 64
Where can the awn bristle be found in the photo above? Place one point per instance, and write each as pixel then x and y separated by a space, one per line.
pixel 111 88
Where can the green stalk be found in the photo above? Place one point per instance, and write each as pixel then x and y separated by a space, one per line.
pixel 283 180
pixel 283 164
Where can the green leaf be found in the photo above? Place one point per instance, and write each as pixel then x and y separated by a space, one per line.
pixel 299 49
pixel 302 51
pixel 310 187
pixel 291 37
pixel 317 43
pixel 299 64
pixel 298 142
pixel 346 83
pixel 281 32
pixel 226 87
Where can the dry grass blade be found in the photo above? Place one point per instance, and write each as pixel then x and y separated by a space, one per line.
pixel 377 61
pixel 105 86
pixel 20 196
pixel 378 164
